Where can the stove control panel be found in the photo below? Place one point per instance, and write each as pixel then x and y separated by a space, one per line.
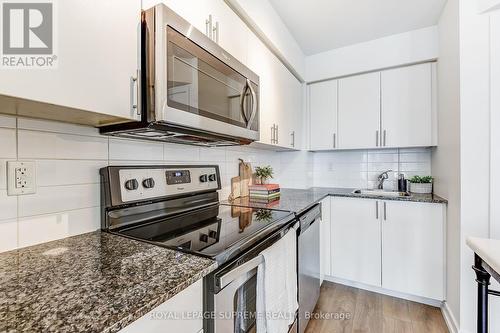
pixel 141 183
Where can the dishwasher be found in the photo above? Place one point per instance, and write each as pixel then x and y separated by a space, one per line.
pixel 308 263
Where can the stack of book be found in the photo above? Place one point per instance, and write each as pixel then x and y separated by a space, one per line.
pixel 264 193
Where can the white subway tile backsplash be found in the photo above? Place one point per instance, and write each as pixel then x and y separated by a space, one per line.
pixel 7 143
pixel 47 145
pixel 212 154
pixel 48 227
pixel 52 199
pixel 175 152
pixel 3 174
pixel 361 168
pixel 8 206
pixel 55 126
pixel 8 235
pixel 7 121
pixel 120 149
pixel 68 172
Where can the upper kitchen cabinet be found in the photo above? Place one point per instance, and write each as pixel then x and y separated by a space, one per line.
pixel 97 53
pixel 323 115
pixel 280 100
pixel 407 106
pixel 215 19
pixel 359 111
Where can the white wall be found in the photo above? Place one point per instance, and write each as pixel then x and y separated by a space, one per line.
pixel 401 49
pixel 478 109
pixel 68 158
pixel 446 157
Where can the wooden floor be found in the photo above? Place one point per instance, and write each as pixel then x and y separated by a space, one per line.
pixel 365 311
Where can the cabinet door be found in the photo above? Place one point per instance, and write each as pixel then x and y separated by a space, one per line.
pixel 413 248
pixel 261 61
pixel 407 106
pixel 323 115
pixel 96 60
pixel 359 111
pixel 356 247
pixel 188 301
pixel 325 241
pixel 290 99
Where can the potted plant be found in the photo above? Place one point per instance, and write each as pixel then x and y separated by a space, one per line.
pixel 262 174
pixel 421 185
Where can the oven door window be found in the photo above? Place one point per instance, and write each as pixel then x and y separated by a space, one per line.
pixel 200 83
pixel 245 305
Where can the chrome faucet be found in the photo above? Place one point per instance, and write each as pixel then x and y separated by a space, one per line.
pixel 381 178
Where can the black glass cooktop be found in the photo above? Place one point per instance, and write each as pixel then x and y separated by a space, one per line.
pixel 217 231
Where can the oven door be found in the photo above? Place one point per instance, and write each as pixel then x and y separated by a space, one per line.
pixel 235 293
pixel 201 91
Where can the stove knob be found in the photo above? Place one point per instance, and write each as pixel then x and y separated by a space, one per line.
pixel 148 183
pixel 131 184
pixel 212 234
pixel 204 238
pixel 212 177
pixel 203 178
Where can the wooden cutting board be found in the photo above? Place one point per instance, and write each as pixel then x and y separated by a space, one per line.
pixel 235 188
pixel 245 178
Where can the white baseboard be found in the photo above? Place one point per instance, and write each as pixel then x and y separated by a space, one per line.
pixel 379 290
pixel 449 318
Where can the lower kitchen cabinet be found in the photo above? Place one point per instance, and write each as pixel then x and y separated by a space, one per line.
pixel 395 245
pixel 325 241
pixel 413 248
pixel 356 239
pixel 180 314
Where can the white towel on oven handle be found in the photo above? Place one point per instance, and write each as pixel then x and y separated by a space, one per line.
pixel 277 286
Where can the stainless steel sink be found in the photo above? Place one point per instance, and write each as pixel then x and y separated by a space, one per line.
pixel 381 193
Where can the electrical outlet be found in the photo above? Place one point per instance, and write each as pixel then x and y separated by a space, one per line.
pixel 21 177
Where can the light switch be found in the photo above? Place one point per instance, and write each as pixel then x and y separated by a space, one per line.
pixel 21 177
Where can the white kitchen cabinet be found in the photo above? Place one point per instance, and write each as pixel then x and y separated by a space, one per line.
pixel 407 106
pixel 356 240
pixel 280 98
pixel 413 248
pixel 359 111
pixel 325 240
pixel 172 316
pixel 232 32
pixel 96 59
pixel 323 115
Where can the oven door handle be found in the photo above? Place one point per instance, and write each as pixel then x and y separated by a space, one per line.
pixel 240 270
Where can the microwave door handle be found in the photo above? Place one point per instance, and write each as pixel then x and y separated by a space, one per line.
pixel 242 103
pixel 254 104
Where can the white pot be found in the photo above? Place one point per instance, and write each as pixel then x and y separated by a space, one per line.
pixel 422 188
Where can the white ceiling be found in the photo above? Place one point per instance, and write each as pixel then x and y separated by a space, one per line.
pixel 321 25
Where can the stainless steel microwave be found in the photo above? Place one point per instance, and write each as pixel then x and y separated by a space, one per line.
pixel 192 90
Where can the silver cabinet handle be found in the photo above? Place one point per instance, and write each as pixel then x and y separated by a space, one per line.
pixel 272 134
pixel 385 132
pixel 208 26
pixel 293 138
pixel 135 94
pixel 334 140
pixel 376 138
pixel 215 30
pixel 277 135
pixel 376 210
pixel 385 211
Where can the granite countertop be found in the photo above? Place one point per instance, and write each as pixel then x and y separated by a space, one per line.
pixel 95 282
pixel 488 249
pixel 297 200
